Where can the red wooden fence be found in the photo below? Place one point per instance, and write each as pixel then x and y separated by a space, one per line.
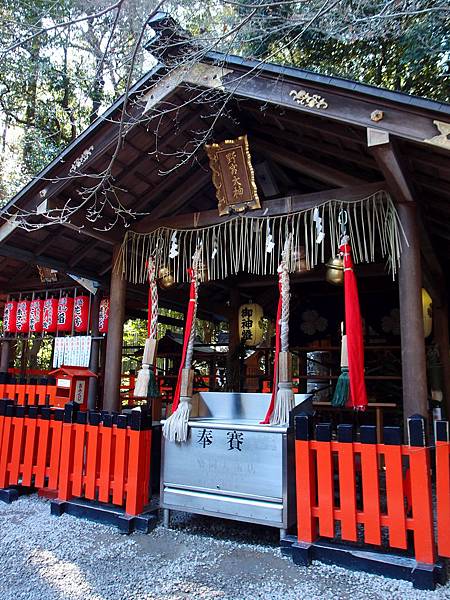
pixel 353 489
pixel 97 456
pixel 32 392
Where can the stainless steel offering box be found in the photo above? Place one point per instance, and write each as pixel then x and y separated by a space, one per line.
pixel 232 466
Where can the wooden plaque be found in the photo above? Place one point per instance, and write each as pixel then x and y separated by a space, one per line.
pixel 233 175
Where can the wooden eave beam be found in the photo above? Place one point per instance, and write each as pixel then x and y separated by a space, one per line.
pixel 344 106
pixel 270 208
pixel 45 261
pixel 302 164
pixel 394 172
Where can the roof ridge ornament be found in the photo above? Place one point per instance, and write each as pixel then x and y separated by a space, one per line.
pixel 306 99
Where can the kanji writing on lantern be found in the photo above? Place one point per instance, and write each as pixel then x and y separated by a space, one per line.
pixel 77 314
pixel 246 324
pixel 22 316
pixel 238 188
pixel 246 335
pixel 235 439
pixel 205 437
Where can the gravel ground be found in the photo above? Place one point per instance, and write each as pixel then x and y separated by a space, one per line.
pixel 50 558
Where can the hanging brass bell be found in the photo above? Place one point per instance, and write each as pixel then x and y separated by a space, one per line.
pixel 165 278
pixel 335 271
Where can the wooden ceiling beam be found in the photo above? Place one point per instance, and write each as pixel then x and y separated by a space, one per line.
pixel 307 144
pixel 82 251
pixel 271 208
pixel 45 261
pixel 192 185
pixel 302 164
pixel 300 122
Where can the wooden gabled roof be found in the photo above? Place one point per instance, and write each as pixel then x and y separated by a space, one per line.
pixel 296 149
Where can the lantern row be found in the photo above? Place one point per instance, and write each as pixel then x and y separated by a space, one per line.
pixel 52 315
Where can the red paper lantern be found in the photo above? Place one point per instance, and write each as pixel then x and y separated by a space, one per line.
pixel 81 314
pixel 65 313
pixel 103 316
pixel 36 315
pixel 23 316
pixel 9 317
pixel 50 315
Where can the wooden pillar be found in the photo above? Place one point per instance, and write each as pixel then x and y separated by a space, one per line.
pixel 233 363
pixel 411 318
pixel 95 347
pixel 4 357
pixel 441 337
pixel 113 359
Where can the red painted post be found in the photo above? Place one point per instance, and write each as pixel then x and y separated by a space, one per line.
pixel 443 487
pixel 325 480
pixel 104 480
pixel 92 454
pixel 121 456
pixel 370 484
pixel 421 497
pixel 305 473
pixel 347 482
pixel 395 495
pixel 138 472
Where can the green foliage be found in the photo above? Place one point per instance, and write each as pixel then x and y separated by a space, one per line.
pixel 54 84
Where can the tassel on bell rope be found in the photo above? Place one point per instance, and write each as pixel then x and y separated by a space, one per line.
pixel 175 429
pixel 146 385
pixel 282 401
pixel 353 327
pixel 342 392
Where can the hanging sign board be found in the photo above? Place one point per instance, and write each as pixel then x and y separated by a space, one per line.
pixel 233 175
pixel 72 351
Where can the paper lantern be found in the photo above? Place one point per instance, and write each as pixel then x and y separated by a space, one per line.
pixel 427 312
pixel 36 315
pixel 65 314
pixel 50 315
pixel 250 324
pixel 23 316
pixel 9 317
pixel 81 314
pixel 103 316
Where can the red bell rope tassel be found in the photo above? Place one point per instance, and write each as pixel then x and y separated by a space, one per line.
pixel 187 335
pixel 276 357
pixel 353 326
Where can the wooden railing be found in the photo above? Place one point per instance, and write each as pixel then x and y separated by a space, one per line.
pixel 351 489
pixel 97 456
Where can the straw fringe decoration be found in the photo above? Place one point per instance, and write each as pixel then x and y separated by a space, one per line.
pixel 240 244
